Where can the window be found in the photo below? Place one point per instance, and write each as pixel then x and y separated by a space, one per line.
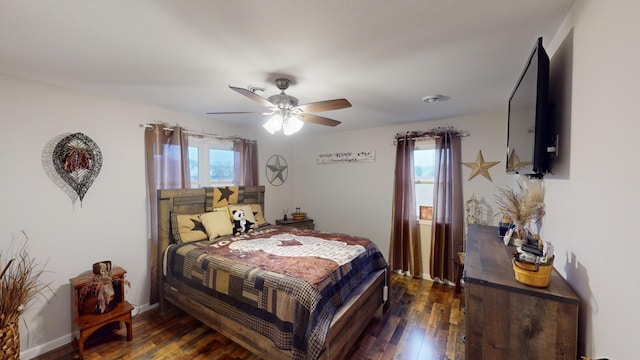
pixel 211 162
pixel 424 163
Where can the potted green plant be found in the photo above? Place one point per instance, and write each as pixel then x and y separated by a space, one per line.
pixel 20 283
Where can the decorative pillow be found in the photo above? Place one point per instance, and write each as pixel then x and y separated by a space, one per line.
pixel 256 209
pixel 223 209
pixel 248 212
pixel 223 196
pixel 187 228
pixel 217 223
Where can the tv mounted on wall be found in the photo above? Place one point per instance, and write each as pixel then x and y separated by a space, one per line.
pixel 529 138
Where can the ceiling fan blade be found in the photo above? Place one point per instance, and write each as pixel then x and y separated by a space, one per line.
pixel 325 105
pixel 319 119
pixel 239 113
pixel 251 95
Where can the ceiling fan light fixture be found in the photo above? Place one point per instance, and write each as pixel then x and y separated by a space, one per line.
pixel 291 125
pixel 283 101
pixel 273 124
pixel 285 112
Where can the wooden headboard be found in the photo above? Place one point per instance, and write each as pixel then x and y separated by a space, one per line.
pixel 192 201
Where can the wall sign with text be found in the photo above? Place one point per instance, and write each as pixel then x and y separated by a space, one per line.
pixel 346 157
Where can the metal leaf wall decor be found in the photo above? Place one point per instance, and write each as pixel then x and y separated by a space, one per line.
pixel 78 160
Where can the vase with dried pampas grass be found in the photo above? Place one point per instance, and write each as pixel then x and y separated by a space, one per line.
pixel 20 284
pixel 524 205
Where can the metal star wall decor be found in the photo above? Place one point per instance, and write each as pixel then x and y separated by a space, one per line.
pixel 480 167
pixel 514 162
pixel 277 170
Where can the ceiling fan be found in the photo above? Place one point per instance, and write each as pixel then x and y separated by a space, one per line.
pixel 285 112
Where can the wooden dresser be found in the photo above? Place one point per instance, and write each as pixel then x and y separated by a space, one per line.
pixel 509 320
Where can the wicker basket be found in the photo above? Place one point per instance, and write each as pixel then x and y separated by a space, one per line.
pixel 299 216
pixel 10 342
pixel 537 275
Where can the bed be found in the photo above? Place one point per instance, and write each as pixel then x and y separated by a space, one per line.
pixel 276 306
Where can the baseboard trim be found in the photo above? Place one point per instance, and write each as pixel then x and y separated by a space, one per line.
pixel 68 338
pixel 46 347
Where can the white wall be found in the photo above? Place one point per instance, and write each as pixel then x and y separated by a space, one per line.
pixel 112 222
pixel 592 212
pixel 279 197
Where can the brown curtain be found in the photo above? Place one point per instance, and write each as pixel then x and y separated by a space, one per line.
pixel 246 162
pixel 447 229
pixel 167 159
pixel 405 253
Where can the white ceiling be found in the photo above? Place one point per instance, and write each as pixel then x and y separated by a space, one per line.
pixel 383 56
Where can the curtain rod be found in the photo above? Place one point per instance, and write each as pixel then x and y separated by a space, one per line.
pixel 191 132
pixel 433 133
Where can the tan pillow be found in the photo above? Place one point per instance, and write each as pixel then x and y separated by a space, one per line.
pixel 223 209
pixel 248 212
pixel 256 209
pixel 217 223
pixel 187 228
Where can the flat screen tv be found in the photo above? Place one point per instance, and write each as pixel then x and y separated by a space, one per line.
pixel 529 125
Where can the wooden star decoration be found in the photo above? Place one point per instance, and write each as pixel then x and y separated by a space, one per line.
pixel 480 167
pixel 514 162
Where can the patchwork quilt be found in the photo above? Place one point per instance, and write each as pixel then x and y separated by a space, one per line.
pixel 282 282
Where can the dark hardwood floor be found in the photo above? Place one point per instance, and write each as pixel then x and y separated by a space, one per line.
pixel 426 321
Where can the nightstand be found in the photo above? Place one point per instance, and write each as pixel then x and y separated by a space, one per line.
pixel 86 322
pixel 305 223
